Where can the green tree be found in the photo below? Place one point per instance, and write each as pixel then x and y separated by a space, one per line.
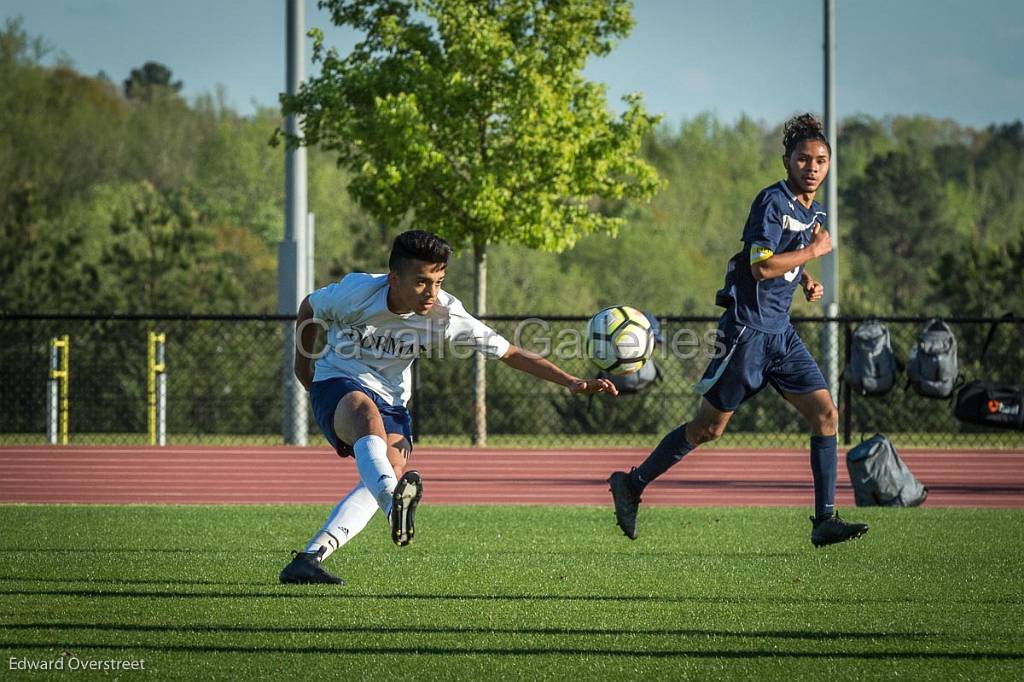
pixel 131 248
pixel 59 128
pixel 481 125
pixel 473 118
pixel 17 48
pixel 861 139
pixel 982 279
pixel 237 181
pixel 152 80
pixel 898 229
pixel 999 169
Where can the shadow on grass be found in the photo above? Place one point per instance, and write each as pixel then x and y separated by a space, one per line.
pixel 115 581
pixel 184 628
pixel 630 549
pixel 133 550
pixel 318 591
pixel 405 652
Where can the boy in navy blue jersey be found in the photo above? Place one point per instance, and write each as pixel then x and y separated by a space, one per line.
pixel 785 230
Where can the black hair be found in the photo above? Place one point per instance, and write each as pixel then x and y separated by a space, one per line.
pixel 801 128
pixel 418 245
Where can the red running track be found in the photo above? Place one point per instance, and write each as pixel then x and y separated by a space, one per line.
pixel 214 475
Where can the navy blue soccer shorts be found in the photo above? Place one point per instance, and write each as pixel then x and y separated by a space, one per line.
pixel 325 396
pixel 754 359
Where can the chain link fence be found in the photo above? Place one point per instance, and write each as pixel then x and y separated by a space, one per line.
pixel 224 386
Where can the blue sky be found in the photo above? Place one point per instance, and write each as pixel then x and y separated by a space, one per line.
pixel 959 59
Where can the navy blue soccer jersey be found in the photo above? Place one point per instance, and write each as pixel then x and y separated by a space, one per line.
pixel 778 223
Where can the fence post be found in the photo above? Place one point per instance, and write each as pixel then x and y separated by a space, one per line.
pixel 847 393
pixel 479 438
pixel 310 251
pixel 291 255
pixel 831 350
pixel 416 401
pixel 57 398
pixel 157 390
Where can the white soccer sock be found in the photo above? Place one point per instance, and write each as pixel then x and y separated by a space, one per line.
pixel 376 471
pixel 347 518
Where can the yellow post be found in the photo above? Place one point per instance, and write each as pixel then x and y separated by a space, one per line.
pixel 64 404
pixel 63 376
pixel 151 387
pixel 154 369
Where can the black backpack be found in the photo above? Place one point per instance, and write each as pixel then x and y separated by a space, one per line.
pixel 873 366
pixel 879 476
pixel 933 369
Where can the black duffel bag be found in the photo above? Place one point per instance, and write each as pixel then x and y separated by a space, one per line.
pixel 991 403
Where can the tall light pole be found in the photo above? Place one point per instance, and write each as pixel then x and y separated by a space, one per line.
pixel 830 263
pixel 291 254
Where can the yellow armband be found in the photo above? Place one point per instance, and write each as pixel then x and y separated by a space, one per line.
pixel 760 253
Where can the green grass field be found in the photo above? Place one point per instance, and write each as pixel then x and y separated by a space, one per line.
pixel 517 592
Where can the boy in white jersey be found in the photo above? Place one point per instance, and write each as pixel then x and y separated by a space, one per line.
pixel 377 325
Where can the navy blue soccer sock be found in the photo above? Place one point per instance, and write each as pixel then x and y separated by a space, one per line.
pixel 823 468
pixel 670 450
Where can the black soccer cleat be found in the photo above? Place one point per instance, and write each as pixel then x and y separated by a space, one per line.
pixel 305 569
pixel 832 529
pixel 403 507
pixel 626 503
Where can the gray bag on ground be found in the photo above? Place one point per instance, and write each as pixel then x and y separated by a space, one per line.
pixel 933 368
pixel 873 366
pixel 879 476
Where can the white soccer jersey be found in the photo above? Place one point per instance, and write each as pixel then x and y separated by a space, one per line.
pixel 369 343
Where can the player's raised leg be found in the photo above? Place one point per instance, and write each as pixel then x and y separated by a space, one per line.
pixel 821 415
pixel 708 425
pixel 354 512
pixel 358 421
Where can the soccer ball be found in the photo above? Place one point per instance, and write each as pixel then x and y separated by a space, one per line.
pixel 619 339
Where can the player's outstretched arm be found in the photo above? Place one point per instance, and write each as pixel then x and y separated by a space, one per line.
pixel 531 363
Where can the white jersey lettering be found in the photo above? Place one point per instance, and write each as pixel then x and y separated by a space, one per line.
pixel 369 343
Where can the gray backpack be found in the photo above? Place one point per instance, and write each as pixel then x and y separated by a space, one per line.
pixel 635 382
pixel 879 476
pixel 873 366
pixel 933 369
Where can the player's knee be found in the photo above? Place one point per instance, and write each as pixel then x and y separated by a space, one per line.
pixel 707 432
pixel 827 421
pixel 360 406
